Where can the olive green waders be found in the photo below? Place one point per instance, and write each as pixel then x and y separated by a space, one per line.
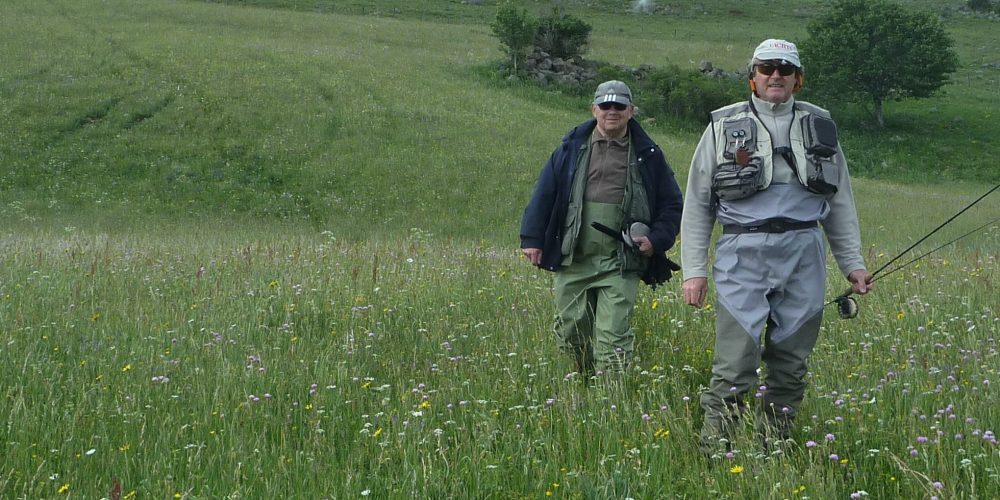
pixel 594 300
pixel 737 357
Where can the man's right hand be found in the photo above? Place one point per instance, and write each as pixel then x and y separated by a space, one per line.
pixel 695 290
pixel 534 255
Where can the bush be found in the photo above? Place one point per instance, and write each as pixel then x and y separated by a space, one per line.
pixel 980 5
pixel 689 94
pixel 515 29
pixel 562 36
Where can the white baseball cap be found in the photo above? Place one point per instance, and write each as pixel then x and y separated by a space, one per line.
pixel 774 49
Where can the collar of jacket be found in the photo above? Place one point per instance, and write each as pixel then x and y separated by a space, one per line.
pixel 581 133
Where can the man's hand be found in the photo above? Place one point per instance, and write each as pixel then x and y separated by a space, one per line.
pixel 534 255
pixel 861 281
pixel 645 246
pixel 695 290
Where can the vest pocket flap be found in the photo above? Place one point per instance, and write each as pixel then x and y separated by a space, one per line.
pixel 820 135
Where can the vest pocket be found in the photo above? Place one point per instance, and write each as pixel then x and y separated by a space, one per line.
pixel 733 181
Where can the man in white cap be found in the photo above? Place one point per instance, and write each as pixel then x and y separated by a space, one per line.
pixel 770 170
pixel 606 171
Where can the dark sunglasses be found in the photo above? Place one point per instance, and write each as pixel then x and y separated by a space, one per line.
pixel 783 69
pixel 608 105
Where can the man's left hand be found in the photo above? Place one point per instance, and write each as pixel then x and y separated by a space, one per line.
pixel 645 246
pixel 861 281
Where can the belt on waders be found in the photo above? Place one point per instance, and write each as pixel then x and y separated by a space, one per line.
pixel 769 226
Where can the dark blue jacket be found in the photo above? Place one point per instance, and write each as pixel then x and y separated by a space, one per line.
pixel 545 215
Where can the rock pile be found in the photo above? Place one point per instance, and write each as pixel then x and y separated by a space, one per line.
pixel 542 68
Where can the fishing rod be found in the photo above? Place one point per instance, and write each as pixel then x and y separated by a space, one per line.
pixel 921 256
pixel 847 306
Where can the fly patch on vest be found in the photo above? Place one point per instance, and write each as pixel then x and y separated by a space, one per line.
pixel 743 174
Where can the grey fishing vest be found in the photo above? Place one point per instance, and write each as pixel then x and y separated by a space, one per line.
pixel 736 125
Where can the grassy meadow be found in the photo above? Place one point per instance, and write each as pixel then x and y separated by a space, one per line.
pixel 255 252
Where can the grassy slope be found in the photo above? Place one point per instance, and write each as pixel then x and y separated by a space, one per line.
pixel 177 108
pixel 172 109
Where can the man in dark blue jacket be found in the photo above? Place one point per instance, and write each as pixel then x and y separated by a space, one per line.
pixel 606 172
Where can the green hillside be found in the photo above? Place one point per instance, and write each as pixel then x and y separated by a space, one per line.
pixel 345 115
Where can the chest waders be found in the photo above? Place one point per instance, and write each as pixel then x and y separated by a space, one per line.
pixel 770 278
pixel 594 297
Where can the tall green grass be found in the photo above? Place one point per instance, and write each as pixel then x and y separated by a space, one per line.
pixel 238 362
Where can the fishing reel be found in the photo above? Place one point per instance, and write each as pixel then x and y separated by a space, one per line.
pixel 847 307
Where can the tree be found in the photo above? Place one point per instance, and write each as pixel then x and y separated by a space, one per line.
pixel 879 51
pixel 515 29
pixel 562 35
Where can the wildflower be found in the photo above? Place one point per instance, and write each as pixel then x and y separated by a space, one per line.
pixel 810 444
pixel 64 489
pixel 921 439
pixel 736 469
pixel 834 457
pixel 830 437
pixel 938 485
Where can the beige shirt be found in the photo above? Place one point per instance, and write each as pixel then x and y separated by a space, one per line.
pixel 607 173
